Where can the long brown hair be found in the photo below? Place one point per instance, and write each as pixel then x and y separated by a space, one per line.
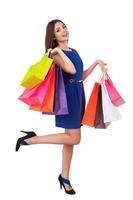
pixel 50 41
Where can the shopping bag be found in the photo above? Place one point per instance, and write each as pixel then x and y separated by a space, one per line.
pixel 36 95
pixel 60 105
pixel 90 111
pixel 37 72
pixel 48 101
pixel 99 122
pixel 110 111
pixel 114 95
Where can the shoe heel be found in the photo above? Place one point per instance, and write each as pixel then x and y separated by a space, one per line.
pixel 60 182
pixel 60 186
pixel 27 132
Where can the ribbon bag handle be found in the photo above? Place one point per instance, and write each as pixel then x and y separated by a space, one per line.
pixel 102 77
pixel 48 53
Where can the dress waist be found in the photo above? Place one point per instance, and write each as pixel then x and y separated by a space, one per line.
pixel 73 80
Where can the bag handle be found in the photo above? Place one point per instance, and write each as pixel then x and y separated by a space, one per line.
pixel 102 77
pixel 48 53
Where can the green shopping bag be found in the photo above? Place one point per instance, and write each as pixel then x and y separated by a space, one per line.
pixel 37 72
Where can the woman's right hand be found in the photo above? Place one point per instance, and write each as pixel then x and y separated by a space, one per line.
pixel 55 51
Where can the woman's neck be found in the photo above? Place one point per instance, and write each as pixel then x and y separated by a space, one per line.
pixel 64 46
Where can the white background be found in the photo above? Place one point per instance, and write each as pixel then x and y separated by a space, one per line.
pixel 102 167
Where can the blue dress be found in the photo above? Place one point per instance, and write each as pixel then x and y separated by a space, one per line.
pixel 74 93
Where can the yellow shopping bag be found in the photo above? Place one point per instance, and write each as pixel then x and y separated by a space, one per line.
pixel 37 72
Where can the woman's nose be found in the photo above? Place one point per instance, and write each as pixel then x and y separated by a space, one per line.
pixel 63 31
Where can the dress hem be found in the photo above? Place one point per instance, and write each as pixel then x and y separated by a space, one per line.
pixel 69 127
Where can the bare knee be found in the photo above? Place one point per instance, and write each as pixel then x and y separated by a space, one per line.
pixel 75 135
pixel 76 140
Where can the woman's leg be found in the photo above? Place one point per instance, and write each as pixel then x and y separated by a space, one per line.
pixel 71 138
pixel 67 153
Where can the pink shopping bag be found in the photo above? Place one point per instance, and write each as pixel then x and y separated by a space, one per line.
pixel 114 95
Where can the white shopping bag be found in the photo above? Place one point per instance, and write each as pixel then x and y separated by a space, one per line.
pixel 110 112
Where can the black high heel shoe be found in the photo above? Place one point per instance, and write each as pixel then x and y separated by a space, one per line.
pixel 21 140
pixel 64 181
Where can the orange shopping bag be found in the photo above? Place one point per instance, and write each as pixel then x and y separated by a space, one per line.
pixel 90 112
pixel 48 102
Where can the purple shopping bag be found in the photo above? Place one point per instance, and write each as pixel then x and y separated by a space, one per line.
pixel 61 107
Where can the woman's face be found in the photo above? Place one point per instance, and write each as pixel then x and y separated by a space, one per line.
pixel 61 33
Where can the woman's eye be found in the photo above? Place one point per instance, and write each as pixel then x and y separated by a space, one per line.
pixel 58 29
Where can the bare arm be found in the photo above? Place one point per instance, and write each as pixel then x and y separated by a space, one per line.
pixel 88 71
pixel 61 59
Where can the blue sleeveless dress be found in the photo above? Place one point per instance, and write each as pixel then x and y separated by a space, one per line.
pixel 74 93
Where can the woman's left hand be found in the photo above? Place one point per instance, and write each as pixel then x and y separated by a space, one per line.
pixel 102 65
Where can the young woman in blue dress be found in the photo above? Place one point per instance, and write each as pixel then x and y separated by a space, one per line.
pixel 56 43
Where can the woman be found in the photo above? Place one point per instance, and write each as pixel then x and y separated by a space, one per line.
pixel 56 42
